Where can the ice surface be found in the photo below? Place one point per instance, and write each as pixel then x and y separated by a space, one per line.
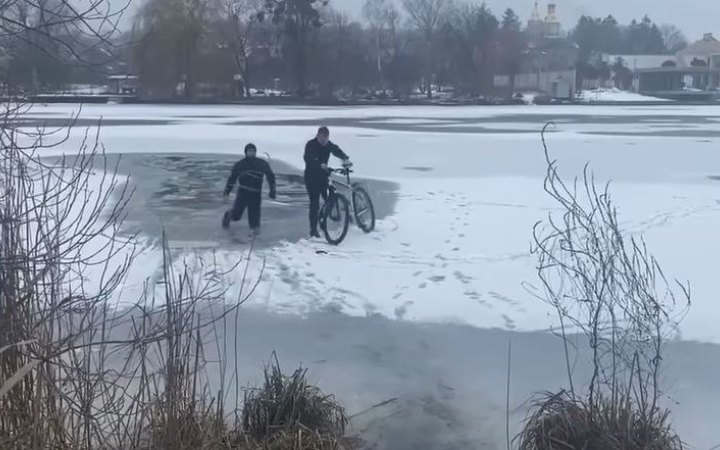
pixel 457 247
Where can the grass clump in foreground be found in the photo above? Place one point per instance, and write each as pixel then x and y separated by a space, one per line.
pixel 562 422
pixel 289 413
pixel 285 413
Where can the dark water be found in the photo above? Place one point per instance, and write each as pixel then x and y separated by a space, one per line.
pixel 670 124
pixel 182 194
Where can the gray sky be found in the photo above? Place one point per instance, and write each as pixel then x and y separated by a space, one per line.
pixel 694 17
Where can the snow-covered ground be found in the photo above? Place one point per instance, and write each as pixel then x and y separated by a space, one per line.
pixel 456 248
pixel 615 95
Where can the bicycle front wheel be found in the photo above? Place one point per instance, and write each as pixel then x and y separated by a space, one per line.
pixel 335 219
pixel 364 211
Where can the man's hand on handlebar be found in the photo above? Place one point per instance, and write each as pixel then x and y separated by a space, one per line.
pixel 346 164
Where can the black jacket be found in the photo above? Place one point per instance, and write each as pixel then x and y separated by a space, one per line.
pixel 248 172
pixel 316 154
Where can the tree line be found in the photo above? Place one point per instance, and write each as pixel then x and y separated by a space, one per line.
pixel 596 35
pixel 232 48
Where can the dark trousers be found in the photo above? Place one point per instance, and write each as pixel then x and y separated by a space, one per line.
pixel 316 187
pixel 250 200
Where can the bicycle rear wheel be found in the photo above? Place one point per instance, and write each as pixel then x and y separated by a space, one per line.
pixel 335 218
pixel 364 211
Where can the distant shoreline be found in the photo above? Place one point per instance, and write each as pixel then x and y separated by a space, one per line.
pixel 344 103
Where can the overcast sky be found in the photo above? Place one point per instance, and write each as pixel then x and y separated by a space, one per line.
pixel 694 17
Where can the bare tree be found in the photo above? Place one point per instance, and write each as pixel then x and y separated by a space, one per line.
pixel 429 17
pixel 342 62
pixel 171 34
pixel 241 16
pixel 512 46
pixel 673 37
pixel 297 19
pixel 402 63
pixel 41 40
pixel 62 22
pixel 472 47
pixel 382 15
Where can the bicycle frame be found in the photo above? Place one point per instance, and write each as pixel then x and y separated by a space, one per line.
pixel 348 203
pixel 347 185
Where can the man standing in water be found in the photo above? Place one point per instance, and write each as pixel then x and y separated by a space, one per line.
pixel 248 173
pixel 317 155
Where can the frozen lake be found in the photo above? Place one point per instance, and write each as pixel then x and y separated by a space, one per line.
pixel 459 190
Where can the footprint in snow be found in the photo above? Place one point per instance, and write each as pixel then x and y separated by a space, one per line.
pixel 509 323
pixel 422 285
pixel 370 309
pixel 437 278
pixel 402 310
pixel 417 274
pixel 464 279
pixel 332 307
pixel 397 296
pixel 503 298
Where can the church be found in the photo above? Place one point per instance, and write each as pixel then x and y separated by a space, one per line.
pixel 548 66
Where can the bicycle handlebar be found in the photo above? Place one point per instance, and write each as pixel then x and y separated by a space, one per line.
pixel 343 171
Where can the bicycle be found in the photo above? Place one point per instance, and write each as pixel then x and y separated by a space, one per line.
pixel 336 208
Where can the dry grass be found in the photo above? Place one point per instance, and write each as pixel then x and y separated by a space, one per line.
pixel 197 429
pixel 562 422
pixel 78 374
pixel 298 438
pixel 611 289
pixel 287 412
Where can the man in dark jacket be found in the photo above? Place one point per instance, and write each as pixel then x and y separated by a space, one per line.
pixel 317 155
pixel 248 173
